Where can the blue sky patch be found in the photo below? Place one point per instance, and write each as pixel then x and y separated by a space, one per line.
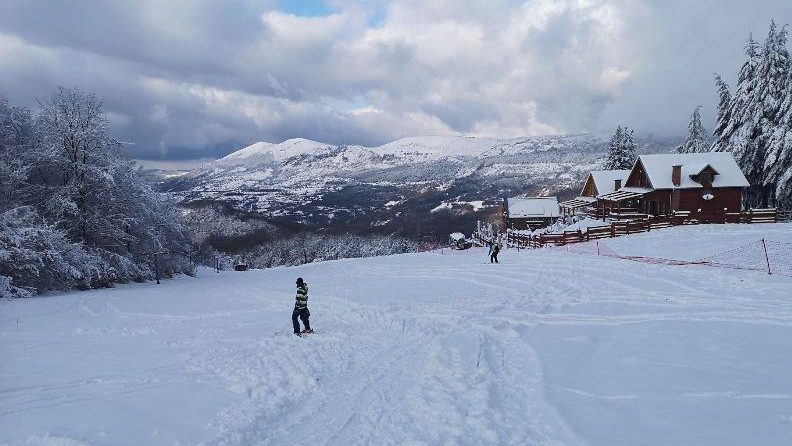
pixel 306 8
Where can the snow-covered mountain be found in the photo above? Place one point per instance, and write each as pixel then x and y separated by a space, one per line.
pixel 324 184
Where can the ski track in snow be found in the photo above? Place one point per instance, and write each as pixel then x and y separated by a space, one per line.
pixel 546 348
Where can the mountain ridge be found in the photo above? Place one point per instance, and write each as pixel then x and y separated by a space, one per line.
pixel 335 187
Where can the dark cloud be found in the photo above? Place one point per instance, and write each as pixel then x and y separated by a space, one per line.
pixel 192 79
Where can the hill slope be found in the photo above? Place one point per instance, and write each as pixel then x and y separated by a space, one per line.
pixel 434 348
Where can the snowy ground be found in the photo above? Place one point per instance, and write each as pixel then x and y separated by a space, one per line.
pixel 547 348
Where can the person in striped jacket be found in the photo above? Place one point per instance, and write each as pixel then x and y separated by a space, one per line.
pixel 301 308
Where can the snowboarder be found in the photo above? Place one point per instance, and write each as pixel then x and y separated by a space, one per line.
pixel 494 253
pixel 301 308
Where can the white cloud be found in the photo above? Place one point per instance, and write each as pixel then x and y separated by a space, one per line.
pixel 197 78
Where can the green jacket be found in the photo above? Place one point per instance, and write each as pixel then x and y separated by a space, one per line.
pixel 302 297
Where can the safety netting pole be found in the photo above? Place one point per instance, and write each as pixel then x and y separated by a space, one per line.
pixel 767 258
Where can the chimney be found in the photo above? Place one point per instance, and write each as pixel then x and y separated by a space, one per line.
pixel 617 184
pixel 676 175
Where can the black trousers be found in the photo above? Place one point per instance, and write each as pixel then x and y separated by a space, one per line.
pixel 303 314
pixel 494 257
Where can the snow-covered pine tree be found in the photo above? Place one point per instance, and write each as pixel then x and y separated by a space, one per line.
pixel 753 108
pixel 696 141
pixel 724 107
pixel 621 151
pixel 614 147
pixel 774 72
pixel 629 148
pixel 741 105
pixel 778 164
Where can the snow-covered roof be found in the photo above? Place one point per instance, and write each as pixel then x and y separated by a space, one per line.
pixel 659 169
pixel 637 190
pixel 533 207
pixel 457 236
pixel 605 180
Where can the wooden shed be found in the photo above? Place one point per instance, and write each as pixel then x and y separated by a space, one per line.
pixel 530 212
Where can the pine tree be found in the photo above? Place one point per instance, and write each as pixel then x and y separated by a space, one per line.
pixel 629 148
pixel 778 164
pixel 614 147
pixel 754 108
pixel 775 71
pixel 724 106
pixel 696 141
pixel 732 134
pixel 621 151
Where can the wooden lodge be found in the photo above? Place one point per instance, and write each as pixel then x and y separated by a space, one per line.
pixel 701 186
pixel 598 182
pixel 530 213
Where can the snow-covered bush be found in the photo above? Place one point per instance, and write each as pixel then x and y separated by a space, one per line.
pixel 37 257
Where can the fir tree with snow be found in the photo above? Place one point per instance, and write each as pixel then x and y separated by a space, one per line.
pixel 724 106
pixel 621 150
pixel 728 135
pixel 696 141
pixel 751 127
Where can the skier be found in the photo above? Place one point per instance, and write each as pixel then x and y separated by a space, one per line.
pixel 494 253
pixel 301 308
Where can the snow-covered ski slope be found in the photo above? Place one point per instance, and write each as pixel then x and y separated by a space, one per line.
pixel 546 348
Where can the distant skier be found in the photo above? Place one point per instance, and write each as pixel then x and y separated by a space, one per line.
pixel 494 253
pixel 301 308
pixel 490 244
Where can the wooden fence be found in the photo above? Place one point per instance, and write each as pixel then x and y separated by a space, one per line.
pixel 619 228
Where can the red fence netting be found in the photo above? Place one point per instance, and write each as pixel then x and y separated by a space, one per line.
pixel 769 256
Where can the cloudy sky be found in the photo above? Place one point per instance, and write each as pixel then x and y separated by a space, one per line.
pixel 190 79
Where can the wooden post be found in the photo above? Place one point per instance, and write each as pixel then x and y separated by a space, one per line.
pixel 767 258
pixel 598 252
pixel 156 266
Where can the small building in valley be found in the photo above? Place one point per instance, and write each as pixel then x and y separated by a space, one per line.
pixel 705 185
pixel 530 213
